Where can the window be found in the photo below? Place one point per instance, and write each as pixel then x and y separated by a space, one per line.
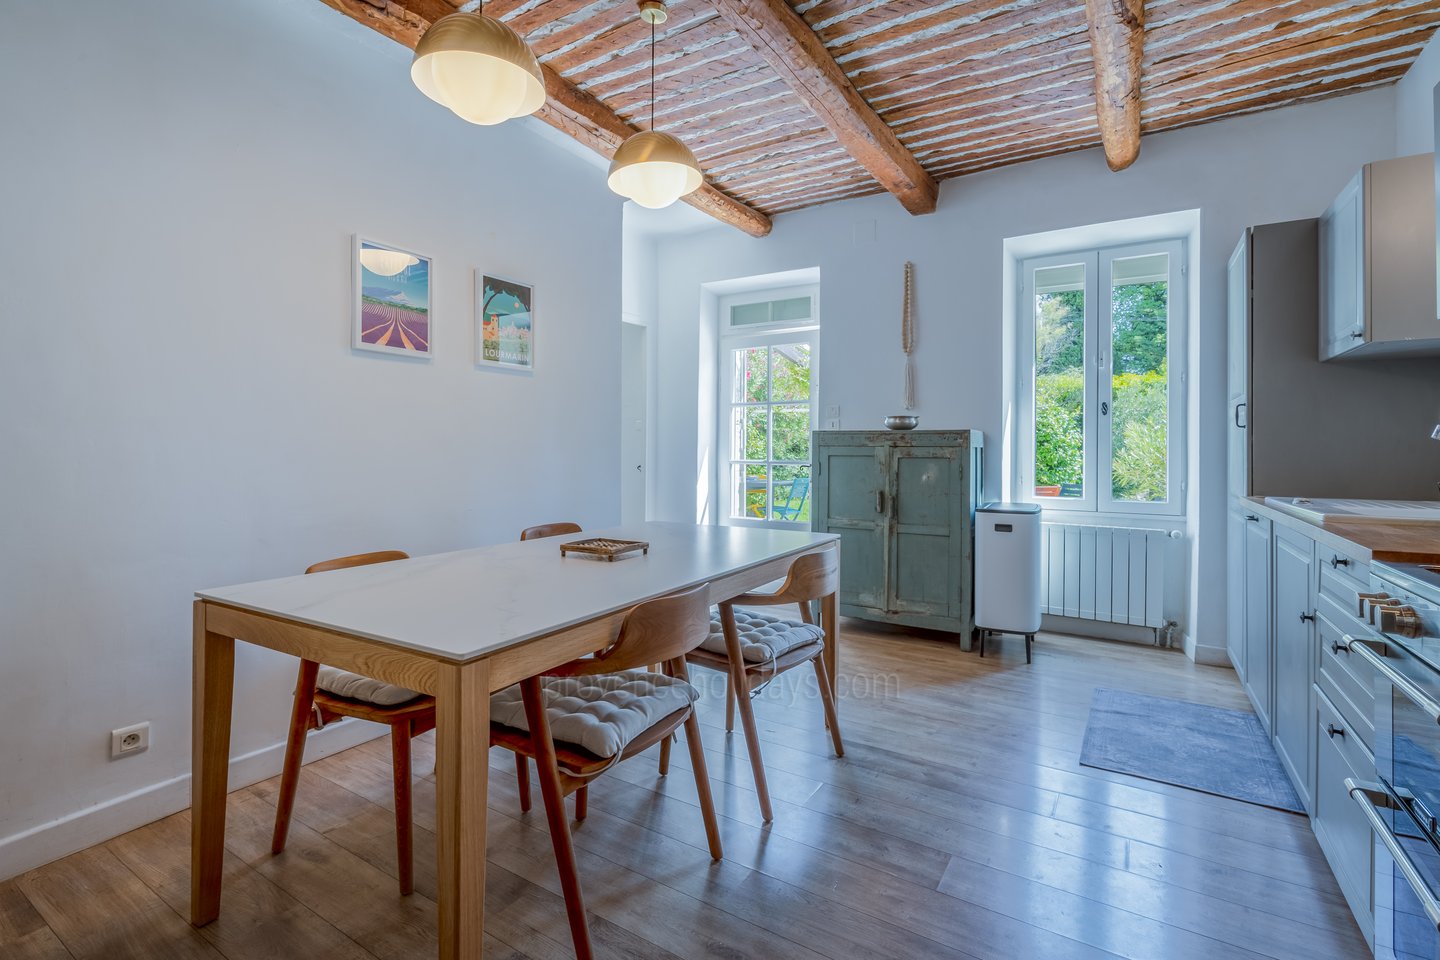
pixel 768 344
pixel 1101 380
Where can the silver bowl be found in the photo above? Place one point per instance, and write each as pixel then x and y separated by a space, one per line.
pixel 905 422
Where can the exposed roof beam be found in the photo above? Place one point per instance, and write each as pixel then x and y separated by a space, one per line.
pixel 568 108
pixel 1117 39
pixel 786 42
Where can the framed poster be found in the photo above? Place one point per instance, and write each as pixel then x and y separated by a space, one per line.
pixel 504 323
pixel 392 300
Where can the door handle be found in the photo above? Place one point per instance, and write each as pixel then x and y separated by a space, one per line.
pixel 1238 408
pixel 1372 798
pixel 879 501
pixel 1307 618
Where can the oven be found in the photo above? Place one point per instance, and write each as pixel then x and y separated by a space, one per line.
pixel 1403 806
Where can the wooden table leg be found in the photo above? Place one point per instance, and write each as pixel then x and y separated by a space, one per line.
pixel 462 763
pixel 830 623
pixel 214 678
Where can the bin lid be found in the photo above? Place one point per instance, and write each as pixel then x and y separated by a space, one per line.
pixel 995 506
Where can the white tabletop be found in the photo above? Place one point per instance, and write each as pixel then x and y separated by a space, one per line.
pixel 470 603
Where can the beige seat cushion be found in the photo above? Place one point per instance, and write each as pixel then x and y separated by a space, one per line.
pixel 352 686
pixel 599 714
pixel 763 636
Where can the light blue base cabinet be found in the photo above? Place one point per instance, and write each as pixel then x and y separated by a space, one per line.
pixel 903 505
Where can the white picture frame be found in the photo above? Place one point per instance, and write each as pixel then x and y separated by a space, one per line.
pixel 505 326
pixel 393 308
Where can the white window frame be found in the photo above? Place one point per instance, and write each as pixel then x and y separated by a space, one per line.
pixel 761 335
pixel 1098 495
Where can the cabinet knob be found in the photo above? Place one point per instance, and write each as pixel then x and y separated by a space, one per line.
pixel 1338 561
pixel 1307 618
pixel 1358 335
pixel 1251 518
pixel 1334 731
pixel 1339 646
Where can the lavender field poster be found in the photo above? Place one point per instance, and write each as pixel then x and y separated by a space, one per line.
pixel 392 300
pixel 505 321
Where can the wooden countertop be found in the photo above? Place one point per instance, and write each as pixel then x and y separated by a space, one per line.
pixel 1385 541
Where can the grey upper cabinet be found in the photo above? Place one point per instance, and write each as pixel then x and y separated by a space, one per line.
pixel 903 505
pixel 1377 263
pixel 1293 420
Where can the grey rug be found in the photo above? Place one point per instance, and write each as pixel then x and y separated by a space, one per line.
pixel 1224 752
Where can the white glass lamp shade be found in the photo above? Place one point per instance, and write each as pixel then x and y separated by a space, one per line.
pixel 654 169
pixel 479 68
pixel 386 263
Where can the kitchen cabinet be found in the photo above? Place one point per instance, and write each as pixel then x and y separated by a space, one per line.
pixel 1285 408
pixel 1258 619
pixel 1235 587
pixel 903 505
pixel 1377 263
pixel 1340 826
pixel 1294 655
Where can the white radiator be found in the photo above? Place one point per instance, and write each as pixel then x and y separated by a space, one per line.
pixel 1112 574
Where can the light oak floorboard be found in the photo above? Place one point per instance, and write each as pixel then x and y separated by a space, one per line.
pixel 959 826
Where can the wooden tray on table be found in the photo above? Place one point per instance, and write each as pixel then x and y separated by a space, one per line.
pixel 604 548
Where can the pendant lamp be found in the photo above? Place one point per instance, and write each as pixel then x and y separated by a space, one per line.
pixel 652 168
pixel 479 68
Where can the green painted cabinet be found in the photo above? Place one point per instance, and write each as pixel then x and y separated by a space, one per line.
pixel 903 505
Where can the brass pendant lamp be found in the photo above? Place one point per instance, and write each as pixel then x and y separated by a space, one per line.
pixel 652 168
pixel 479 68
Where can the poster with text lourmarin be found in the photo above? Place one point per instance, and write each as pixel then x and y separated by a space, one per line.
pixel 506 323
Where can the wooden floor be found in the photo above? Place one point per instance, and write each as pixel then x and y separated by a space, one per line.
pixel 959 824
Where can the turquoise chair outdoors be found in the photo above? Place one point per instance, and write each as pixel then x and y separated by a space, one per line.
pixel 794 500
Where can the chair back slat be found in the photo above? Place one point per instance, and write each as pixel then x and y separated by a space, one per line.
pixel 357 560
pixel 656 631
pixel 810 577
pixel 549 530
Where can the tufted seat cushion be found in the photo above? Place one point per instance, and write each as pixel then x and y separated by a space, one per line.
pixel 763 637
pixel 599 714
pixel 352 686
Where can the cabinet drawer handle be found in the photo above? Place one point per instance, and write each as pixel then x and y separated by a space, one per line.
pixel 1251 518
pixel 1333 731
pixel 1339 646
pixel 1337 561
pixel 1358 335
pixel 1307 618
pixel 1238 423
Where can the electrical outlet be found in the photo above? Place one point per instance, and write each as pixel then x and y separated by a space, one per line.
pixel 129 740
pixel 832 424
pixel 832 412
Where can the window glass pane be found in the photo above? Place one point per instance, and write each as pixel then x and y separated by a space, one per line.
pixel 749 314
pixel 749 491
pixel 751 373
pixel 790 491
pixel 790 309
pixel 790 373
pixel 1060 381
pixel 1140 382
pixel 749 437
pixel 791 432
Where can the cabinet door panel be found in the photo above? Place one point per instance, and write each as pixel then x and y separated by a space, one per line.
pixel 927 503
pixel 1237 316
pixel 848 500
pixel 1257 618
pixel 1341 828
pixel 1294 655
pixel 1342 260
pixel 1235 590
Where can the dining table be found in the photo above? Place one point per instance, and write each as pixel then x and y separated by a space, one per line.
pixel 458 626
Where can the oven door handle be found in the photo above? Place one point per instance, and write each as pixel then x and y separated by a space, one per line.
pixel 1376 658
pixel 1364 795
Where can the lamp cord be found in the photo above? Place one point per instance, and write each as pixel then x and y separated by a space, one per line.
pixel 652 74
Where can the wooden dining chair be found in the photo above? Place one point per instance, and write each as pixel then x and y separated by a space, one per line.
pixel 549 530
pixel 325 694
pixel 581 718
pixel 752 648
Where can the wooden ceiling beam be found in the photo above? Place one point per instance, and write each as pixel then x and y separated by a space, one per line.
pixel 1117 39
pixel 786 42
pixel 567 108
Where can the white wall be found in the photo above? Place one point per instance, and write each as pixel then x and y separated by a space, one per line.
pixel 1281 165
pixel 182 408
pixel 1415 103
